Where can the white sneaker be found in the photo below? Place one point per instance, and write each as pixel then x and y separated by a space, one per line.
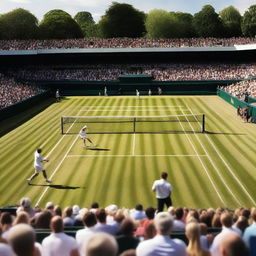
pixel 49 181
pixel 29 180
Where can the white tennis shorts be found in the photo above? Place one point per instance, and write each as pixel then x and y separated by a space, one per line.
pixel 38 168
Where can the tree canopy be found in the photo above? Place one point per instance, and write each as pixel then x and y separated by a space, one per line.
pixel 18 24
pixel 57 24
pixel 231 19
pixel 207 23
pixel 122 20
pixel 249 22
pixel 184 23
pixel 161 24
pixel 84 17
pixel 87 24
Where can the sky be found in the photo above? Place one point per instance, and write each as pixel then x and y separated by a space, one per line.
pixel 97 7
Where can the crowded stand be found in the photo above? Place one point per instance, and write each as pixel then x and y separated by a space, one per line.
pixel 123 43
pixel 160 72
pixel 12 92
pixel 242 89
pixel 73 230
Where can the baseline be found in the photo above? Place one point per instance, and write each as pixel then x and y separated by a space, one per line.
pixel 133 155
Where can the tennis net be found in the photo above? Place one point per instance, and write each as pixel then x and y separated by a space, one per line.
pixel 133 124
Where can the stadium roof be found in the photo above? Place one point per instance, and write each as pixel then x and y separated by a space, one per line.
pixel 129 50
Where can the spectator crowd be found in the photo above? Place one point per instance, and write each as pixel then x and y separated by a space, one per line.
pixel 160 72
pixel 112 231
pixel 123 43
pixel 12 92
pixel 242 89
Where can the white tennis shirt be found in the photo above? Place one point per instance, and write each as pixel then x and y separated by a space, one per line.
pixel 162 188
pixel 38 160
pixel 82 134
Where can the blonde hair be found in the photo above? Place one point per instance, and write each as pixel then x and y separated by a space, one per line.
pixel 22 217
pixel 193 234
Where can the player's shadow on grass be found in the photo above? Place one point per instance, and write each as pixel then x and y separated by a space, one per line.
pixel 56 186
pixel 99 149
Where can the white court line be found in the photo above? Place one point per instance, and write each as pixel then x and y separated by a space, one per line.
pixel 62 160
pixel 72 156
pixel 133 107
pixel 228 167
pixel 134 143
pixel 213 164
pixel 204 167
pixel 118 110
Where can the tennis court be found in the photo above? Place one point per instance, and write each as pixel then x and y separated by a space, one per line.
pixel 211 169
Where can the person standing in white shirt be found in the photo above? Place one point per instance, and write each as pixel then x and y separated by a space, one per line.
pixel 163 191
pixel 58 243
pixel 137 94
pixel 38 165
pixel 57 95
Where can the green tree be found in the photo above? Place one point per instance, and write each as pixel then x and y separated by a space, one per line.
pixel 231 19
pixel 84 17
pixel 185 24
pixel 57 24
pixel 18 24
pixel 207 23
pixel 249 22
pixel 93 30
pixel 161 24
pixel 86 23
pixel 122 20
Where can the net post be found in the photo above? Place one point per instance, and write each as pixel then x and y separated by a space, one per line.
pixel 203 124
pixel 134 124
pixel 61 121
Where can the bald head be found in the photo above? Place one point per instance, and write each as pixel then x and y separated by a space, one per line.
pixel 22 238
pixel 233 245
pixel 57 224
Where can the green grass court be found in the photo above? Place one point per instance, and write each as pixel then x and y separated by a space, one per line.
pixel 217 168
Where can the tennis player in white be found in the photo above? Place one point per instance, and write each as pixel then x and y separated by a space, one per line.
pixel 83 136
pixel 137 94
pixel 38 165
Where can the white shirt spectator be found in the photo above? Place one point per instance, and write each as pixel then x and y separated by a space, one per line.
pixel 138 215
pixel 103 227
pixel 162 188
pixel 6 250
pixel 58 244
pixel 82 236
pixel 217 240
pixel 161 246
